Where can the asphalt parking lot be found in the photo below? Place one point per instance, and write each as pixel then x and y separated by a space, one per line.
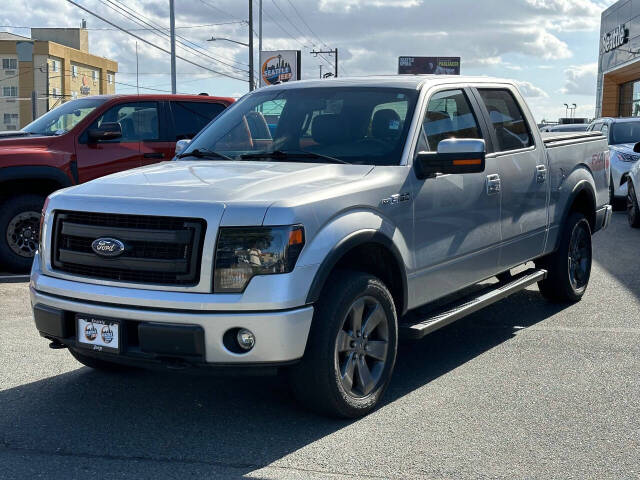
pixel 522 389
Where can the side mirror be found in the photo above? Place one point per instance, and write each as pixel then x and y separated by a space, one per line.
pixel 636 147
pixel 106 131
pixel 181 145
pixel 454 155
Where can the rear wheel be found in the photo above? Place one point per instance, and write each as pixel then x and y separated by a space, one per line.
pixel 569 268
pixel 19 231
pixel 351 349
pixel 633 212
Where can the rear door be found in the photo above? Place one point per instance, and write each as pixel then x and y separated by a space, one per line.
pixel 138 121
pixel 523 170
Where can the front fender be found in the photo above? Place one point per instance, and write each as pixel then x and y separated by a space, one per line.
pixel 345 232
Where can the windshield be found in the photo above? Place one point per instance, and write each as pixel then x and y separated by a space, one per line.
pixel 349 124
pixel 625 132
pixel 63 118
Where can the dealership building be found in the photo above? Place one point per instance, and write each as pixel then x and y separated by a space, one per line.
pixel 618 93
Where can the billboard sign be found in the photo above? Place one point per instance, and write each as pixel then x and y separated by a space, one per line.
pixel 279 66
pixel 429 65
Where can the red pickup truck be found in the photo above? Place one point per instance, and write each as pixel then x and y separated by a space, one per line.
pixel 81 140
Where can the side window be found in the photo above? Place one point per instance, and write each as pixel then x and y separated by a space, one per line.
pixel 191 117
pixel 449 115
pixel 605 130
pixel 511 129
pixel 139 121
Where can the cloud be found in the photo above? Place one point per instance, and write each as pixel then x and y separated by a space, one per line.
pixel 529 90
pixel 349 5
pixel 580 79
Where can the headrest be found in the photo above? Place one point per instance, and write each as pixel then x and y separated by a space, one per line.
pixel 385 124
pixel 329 129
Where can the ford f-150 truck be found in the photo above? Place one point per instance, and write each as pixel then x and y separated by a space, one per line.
pixel 302 229
pixel 81 140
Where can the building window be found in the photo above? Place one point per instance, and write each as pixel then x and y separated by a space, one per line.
pixel 9 63
pixel 55 92
pixel 55 65
pixel 629 99
pixel 10 118
pixel 109 78
pixel 9 91
pixel 11 127
pixel 74 70
pixel 94 74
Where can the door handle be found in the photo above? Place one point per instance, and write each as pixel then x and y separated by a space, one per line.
pixel 541 173
pixel 493 184
pixel 153 155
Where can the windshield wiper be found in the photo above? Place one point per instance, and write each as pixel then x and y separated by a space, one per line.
pixel 203 153
pixel 291 154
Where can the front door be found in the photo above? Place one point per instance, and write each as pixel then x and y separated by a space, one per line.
pixel 456 217
pixel 138 121
pixel 522 166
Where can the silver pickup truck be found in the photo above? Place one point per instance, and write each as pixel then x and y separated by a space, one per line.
pixel 302 229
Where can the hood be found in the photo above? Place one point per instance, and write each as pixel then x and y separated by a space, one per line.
pixel 222 181
pixel 23 139
pixel 624 148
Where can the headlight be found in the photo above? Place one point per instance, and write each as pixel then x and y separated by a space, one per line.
pixel 243 252
pixel 627 157
pixel 42 214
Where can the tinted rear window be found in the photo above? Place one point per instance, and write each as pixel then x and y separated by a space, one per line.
pixel 191 117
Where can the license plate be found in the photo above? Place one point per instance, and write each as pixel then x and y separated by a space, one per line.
pixel 98 333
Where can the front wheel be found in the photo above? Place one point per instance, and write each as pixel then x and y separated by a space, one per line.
pixel 351 349
pixel 19 230
pixel 569 267
pixel 633 212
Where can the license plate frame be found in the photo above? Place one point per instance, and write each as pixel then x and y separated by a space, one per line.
pixel 102 337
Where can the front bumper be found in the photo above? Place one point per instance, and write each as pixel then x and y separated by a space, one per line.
pixel 281 336
pixel 618 170
pixel 603 217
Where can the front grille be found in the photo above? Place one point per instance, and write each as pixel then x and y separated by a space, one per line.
pixel 158 250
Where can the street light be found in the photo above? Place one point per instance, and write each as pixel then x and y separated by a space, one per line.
pixel 214 39
pixel 249 46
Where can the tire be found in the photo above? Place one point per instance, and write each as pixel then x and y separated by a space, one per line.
pixel 568 268
pixel 99 364
pixel 633 212
pixel 335 345
pixel 19 230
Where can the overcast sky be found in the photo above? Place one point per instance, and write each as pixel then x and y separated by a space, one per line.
pixel 549 46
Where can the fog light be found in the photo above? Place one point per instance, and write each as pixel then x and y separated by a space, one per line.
pixel 246 339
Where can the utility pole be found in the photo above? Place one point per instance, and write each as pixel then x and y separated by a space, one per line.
pixel 251 80
pixel 172 27
pixel 260 30
pixel 320 71
pixel 333 52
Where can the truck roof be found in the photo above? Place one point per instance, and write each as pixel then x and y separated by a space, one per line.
pixel 164 96
pixel 399 81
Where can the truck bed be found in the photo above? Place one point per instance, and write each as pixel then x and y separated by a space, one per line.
pixel 552 139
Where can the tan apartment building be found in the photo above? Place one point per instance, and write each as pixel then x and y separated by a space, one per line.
pixel 55 63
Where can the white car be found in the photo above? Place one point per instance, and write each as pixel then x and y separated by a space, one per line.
pixel 622 134
pixel 633 195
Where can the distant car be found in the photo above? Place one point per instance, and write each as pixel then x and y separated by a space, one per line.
pixel 623 134
pixel 571 127
pixel 633 195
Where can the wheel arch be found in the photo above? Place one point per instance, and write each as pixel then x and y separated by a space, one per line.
pixel 32 179
pixel 582 199
pixel 370 251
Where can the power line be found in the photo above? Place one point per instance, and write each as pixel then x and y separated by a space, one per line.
pixel 218 9
pixel 305 23
pixel 185 27
pixel 153 45
pixel 159 31
pixel 130 11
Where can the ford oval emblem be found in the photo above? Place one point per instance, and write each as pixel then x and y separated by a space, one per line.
pixel 107 247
